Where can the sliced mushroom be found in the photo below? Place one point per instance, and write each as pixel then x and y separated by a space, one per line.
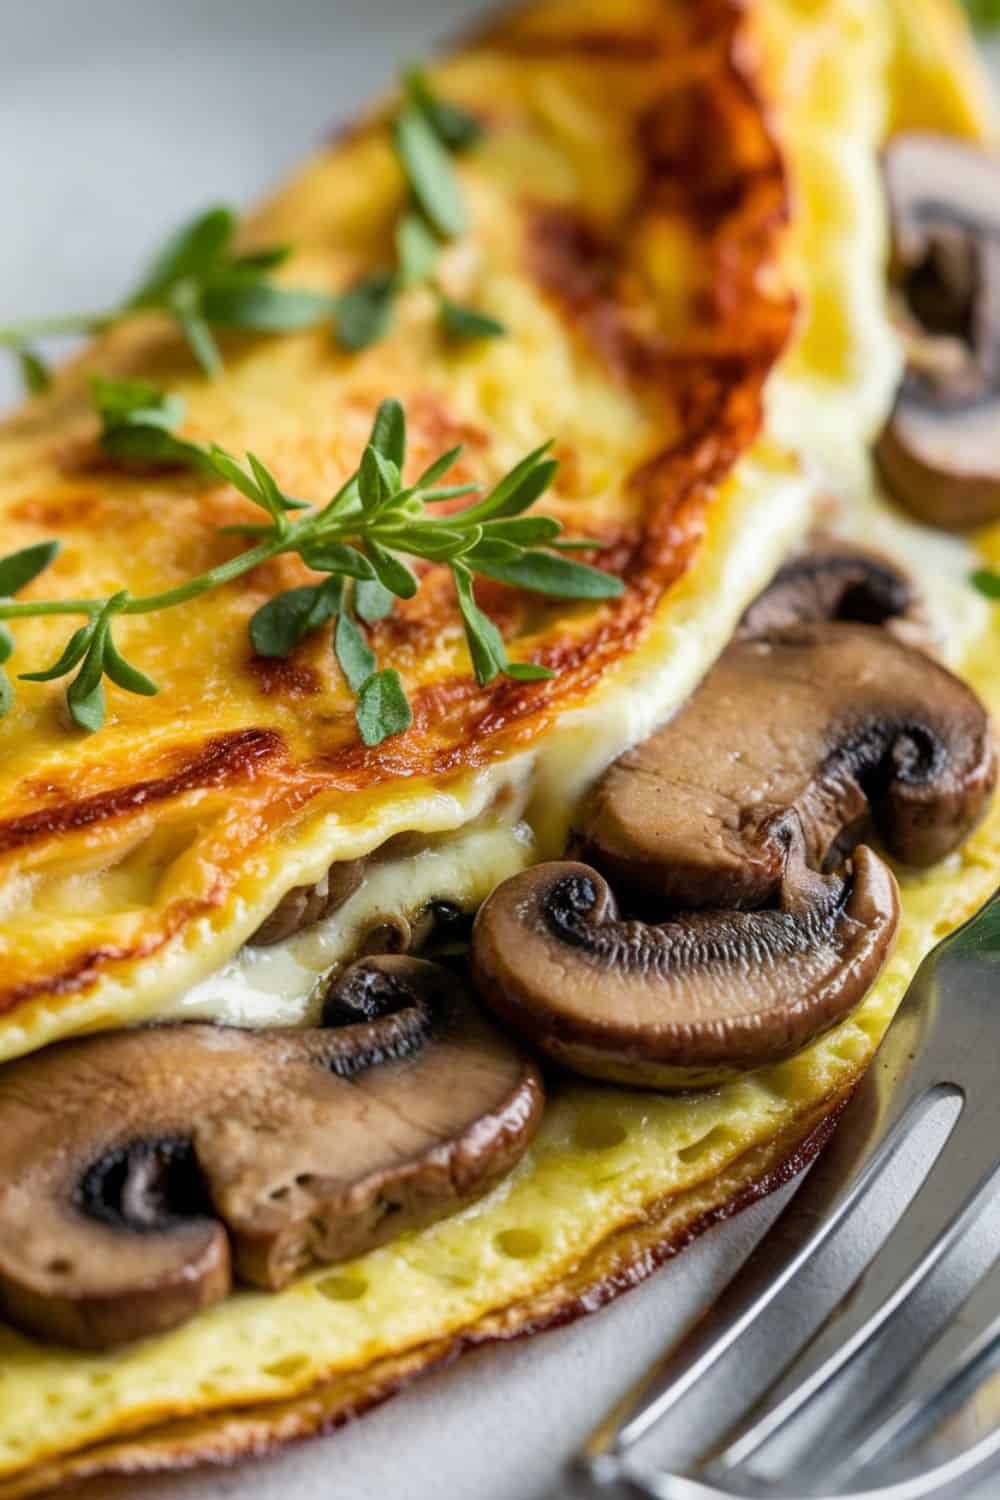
pixel 834 580
pixel 791 749
pixel 305 905
pixel 940 452
pixel 135 1166
pixel 684 1003
pixel 843 725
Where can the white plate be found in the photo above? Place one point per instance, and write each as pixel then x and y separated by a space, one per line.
pixel 118 118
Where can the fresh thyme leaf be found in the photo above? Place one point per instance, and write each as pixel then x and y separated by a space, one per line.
pixel 200 338
pixel 438 543
pixel 439 467
pixel 486 646
pixel 461 322
pixel 6 643
pixel 383 709
pixel 455 127
pixel 364 312
pixel 985 580
pixel 390 571
pixel 334 557
pixel 247 303
pixel 356 657
pixel 74 652
pixel 121 400
pixel 137 442
pixel 262 260
pixel 389 432
pixel 517 490
pixel 427 131
pixel 373 601
pixel 18 569
pixel 6 694
pixel 557 577
pixel 492 550
pixel 579 544
pixel 417 250
pixel 123 674
pixel 429 172
pixel 283 621
pixel 984 13
pixel 85 694
pixel 137 418
pixel 371 486
pixel 529 671
pixel 35 374
pixel 191 251
pixel 390 479
pixel 526 531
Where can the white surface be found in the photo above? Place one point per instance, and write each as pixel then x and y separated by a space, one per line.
pixel 117 118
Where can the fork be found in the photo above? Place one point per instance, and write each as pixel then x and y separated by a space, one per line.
pixel 944 1045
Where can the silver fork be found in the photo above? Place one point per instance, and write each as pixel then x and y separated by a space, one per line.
pixel 943 1045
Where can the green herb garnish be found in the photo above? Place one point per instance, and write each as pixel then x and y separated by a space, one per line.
pixel 987 582
pixel 983 13
pixel 427 133
pixel 359 540
pixel 198 280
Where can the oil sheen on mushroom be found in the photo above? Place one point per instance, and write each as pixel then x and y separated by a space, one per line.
pixel 940 452
pixel 141 1170
pixel 724 837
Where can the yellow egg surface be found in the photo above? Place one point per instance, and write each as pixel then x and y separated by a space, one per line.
pixel 616 1180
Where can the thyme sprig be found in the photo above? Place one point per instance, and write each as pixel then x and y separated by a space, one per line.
pixel 200 281
pixel 427 132
pixel 358 540
pixel 205 286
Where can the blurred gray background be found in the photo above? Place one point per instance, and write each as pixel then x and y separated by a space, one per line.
pixel 117 119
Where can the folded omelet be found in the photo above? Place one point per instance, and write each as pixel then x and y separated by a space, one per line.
pixel 676 211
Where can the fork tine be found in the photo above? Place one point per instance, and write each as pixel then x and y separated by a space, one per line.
pixel 877 1121
pixel 935 1220
pixel 957 1367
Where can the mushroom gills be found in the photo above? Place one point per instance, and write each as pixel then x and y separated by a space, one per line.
pixel 940 451
pixel 731 823
pixel 182 1155
pixel 832 579
pixel 688 1002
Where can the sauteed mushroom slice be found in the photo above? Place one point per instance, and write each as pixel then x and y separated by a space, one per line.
pixel 834 580
pixel 847 727
pixel 134 1165
pixel 792 747
pixel 940 452
pixel 305 905
pixel 687 1002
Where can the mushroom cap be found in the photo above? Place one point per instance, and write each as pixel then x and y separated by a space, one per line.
pixel 683 1003
pixel 844 726
pixel 134 1164
pixel 940 451
pixel 834 580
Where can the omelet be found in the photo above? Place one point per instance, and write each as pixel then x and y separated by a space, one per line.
pixel 677 213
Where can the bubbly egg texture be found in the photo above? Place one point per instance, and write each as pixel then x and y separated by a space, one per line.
pixel 615 1179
